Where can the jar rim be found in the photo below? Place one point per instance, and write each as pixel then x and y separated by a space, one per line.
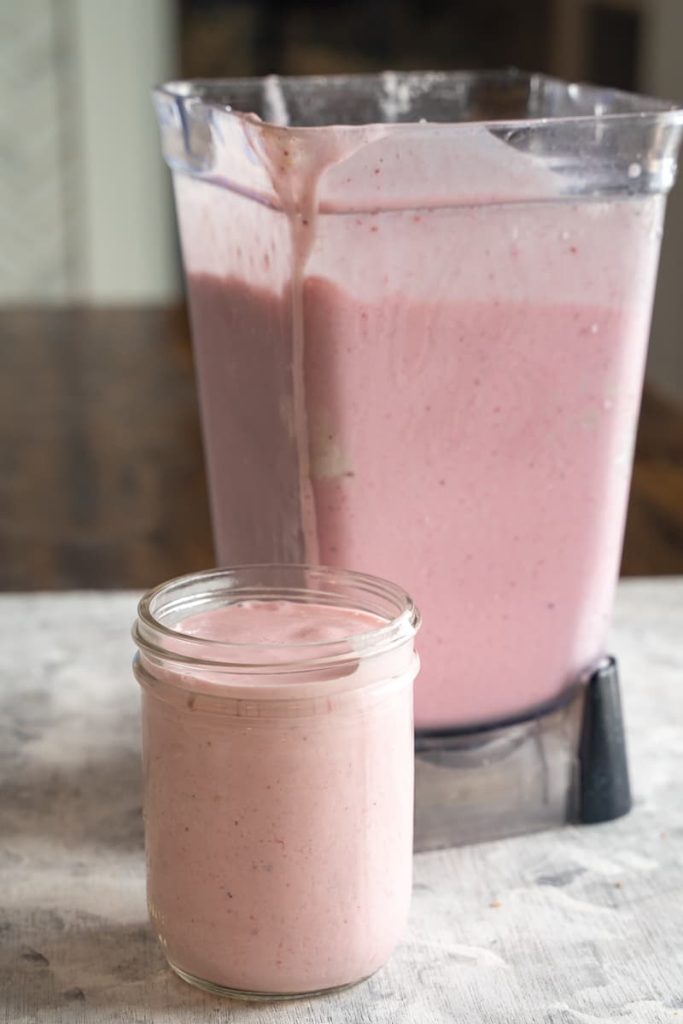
pixel 182 596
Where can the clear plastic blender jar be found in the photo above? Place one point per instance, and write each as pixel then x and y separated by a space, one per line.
pixel 420 307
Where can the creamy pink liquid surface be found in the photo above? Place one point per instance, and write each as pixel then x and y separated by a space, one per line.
pixel 279 843
pixel 445 395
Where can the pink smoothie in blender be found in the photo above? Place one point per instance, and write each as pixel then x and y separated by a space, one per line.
pixel 420 308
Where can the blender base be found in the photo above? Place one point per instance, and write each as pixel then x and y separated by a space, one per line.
pixel 563 763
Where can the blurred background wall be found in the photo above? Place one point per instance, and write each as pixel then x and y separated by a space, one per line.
pixel 85 204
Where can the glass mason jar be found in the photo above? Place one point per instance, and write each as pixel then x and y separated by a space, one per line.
pixel 278 782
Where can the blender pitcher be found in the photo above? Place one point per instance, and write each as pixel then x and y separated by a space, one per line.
pixel 420 306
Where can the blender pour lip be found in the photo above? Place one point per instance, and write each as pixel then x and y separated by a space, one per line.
pixel 212 93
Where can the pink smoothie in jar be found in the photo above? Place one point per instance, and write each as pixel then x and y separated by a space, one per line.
pixel 278 753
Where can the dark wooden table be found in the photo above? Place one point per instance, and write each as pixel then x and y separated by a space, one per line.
pixel 101 477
